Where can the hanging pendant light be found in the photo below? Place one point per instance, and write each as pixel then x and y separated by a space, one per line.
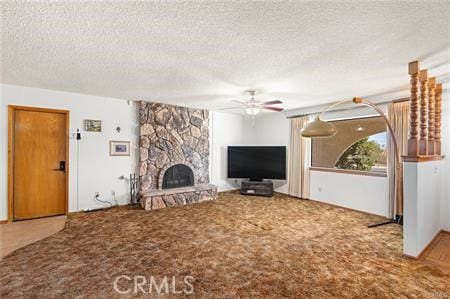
pixel 319 128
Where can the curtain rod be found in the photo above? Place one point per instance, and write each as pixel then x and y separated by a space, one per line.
pixel 349 108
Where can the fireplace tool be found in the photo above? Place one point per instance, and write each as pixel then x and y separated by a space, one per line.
pixel 134 182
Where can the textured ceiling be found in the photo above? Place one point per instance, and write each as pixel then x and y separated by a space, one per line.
pixel 205 54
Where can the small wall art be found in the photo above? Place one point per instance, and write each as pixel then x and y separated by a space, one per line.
pixel 92 125
pixel 119 148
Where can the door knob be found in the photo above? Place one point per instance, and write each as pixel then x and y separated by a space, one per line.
pixel 62 166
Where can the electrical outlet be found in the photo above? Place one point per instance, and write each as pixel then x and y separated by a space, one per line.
pixel 320 189
pixel 113 193
pixel 97 194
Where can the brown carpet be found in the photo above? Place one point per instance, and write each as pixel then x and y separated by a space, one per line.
pixel 234 247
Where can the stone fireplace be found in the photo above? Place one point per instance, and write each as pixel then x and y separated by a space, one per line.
pixel 176 176
pixel 174 156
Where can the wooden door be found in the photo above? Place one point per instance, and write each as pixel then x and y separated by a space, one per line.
pixel 39 162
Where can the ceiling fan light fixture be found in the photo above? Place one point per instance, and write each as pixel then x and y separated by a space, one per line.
pixel 252 110
pixel 253 107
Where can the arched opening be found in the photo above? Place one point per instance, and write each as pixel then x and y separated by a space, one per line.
pixel 366 154
pixel 177 176
pixel 326 152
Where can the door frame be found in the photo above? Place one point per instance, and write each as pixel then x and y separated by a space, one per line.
pixel 11 122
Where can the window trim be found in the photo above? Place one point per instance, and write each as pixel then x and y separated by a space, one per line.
pixel 349 171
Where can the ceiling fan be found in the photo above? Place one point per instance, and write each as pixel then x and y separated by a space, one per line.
pixel 253 107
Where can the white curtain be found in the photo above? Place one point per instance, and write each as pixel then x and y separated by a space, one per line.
pixel 299 159
pixel 398 114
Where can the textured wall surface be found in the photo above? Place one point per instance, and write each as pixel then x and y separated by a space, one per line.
pixel 325 152
pixel 172 134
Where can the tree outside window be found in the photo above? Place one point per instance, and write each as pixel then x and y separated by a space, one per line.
pixel 367 154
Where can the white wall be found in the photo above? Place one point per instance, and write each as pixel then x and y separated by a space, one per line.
pixel 427 194
pixel 226 129
pixel 234 129
pixel 273 129
pixel 370 194
pixel 363 193
pixel 445 178
pixel 358 192
pixel 98 172
pixel 3 163
pixel 422 189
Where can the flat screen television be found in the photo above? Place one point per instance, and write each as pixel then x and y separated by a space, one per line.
pixel 257 162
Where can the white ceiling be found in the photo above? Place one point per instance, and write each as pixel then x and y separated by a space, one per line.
pixel 206 54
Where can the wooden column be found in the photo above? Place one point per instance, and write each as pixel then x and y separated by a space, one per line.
pixel 423 142
pixel 437 117
pixel 413 140
pixel 431 115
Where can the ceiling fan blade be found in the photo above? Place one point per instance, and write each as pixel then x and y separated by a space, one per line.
pixel 240 102
pixel 272 108
pixel 228 108
pixel 273 102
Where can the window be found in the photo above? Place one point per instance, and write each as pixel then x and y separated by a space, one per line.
pixel 359 144
pixel 367 154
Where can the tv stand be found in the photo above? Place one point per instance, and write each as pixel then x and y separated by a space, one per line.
pixel 255 180
pixel 261 188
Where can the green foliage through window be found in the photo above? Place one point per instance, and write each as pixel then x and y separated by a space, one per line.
pixel 362 155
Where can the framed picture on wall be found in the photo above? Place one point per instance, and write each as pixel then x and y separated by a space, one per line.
pixel 92 125
pixel 119 148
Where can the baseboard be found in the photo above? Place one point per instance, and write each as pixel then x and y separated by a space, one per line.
pixel 3 221
pixel 349 209
pixel 230 190
pixel 100 208
pixel 428 247
pixel 409 256
pixel 285 194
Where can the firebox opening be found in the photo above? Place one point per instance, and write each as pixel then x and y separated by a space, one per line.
pixel 179 175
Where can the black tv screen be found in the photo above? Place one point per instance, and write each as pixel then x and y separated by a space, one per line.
pixel 257 162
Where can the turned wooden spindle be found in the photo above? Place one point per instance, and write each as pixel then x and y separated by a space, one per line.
pixel 431 115
pixel 437 117
pixel 413 140
pixel 423 142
